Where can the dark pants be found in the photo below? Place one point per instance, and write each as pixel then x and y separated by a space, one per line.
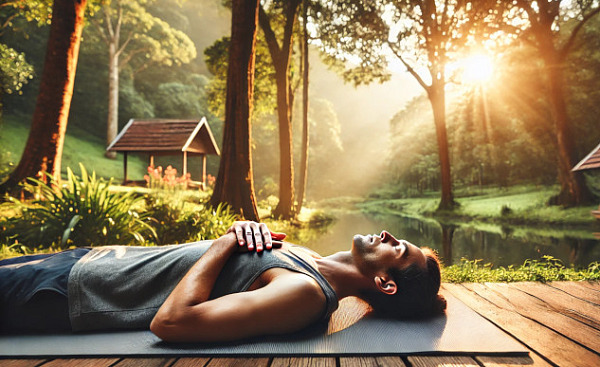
pixel 33 291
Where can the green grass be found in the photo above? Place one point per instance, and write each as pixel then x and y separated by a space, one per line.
pixel 526 205
pixel 80 147
pixel 546 270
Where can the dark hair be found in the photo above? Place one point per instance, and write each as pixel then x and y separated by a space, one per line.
pixel 417 295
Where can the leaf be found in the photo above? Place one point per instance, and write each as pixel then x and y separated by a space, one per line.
pixel 69 230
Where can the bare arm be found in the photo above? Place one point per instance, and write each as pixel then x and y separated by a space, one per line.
pixel 188 315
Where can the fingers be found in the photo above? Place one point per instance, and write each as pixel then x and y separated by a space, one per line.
pixel 254 235
pixel 266 235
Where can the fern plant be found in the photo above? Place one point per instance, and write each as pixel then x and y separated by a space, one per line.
pixel 83 212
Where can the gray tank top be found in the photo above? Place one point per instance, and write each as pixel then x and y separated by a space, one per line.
pixel 122 287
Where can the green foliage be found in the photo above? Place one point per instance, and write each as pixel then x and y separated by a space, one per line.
pixel 14 70
pixel 174 224
pixel 217 61
pixel 177 215
pixel 545 270
pixel 83 212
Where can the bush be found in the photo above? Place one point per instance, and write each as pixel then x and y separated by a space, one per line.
pixel 83 212
pixel 545 270
pixel 172 222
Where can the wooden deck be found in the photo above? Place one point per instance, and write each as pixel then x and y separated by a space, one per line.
pixel 558 322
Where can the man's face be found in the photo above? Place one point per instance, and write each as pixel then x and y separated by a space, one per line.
pixel 374 254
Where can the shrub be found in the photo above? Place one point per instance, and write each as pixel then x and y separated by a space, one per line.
pixel 545 270
pixel 172 222
pixel 83 212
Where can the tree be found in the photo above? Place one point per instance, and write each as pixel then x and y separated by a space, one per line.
pixel 281 56
pixel 545 18
pixel 421 34
pixel 235 184
pixel 137 38
pixel 305 125
pixel 43 150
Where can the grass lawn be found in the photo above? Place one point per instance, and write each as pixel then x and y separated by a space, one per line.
pixel 517 205
pixel 80 146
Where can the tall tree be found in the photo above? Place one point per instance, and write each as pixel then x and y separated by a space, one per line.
pixel 135 37
pixel 281 52
pixel 305 125
pixel 43 150
pixel 545 21
pixel 422 34
pixel 235 184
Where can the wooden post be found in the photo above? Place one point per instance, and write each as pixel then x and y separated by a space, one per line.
pixel 184 163
pixel 151 161
pixel 125 167
pixel 203 171
pixel 185 166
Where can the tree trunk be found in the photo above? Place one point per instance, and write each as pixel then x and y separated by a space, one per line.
pixel 573 190
pixel 281 62
pixel 437 97
pixel 112 123
pixel 43 150
pixel 305 125
pixel 235 184
pixel 285 207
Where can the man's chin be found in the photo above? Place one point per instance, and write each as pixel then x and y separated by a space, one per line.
pixel 359 242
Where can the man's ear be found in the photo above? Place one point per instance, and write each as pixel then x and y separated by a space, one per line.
pixel 385 285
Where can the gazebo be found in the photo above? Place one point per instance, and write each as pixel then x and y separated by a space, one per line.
pixel 591 161
pixel 166 137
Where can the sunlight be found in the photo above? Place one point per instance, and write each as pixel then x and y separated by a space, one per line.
pixel 476 68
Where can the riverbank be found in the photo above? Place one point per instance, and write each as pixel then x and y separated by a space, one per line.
pixel 520 205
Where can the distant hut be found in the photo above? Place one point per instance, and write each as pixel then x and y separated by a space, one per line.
pixel 591 161
pixel 166 137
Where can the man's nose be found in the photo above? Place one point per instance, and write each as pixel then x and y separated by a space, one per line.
pixel 387 236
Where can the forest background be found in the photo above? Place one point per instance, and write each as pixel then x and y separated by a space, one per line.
pixel 375 140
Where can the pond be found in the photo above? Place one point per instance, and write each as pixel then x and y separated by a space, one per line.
pixel 501 246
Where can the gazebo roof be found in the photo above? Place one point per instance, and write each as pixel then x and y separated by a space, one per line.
pixel 591 161
pixel 165 136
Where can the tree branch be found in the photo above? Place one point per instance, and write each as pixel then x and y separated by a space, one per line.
pixel 410 69
pixel 569 44
pixel 270 37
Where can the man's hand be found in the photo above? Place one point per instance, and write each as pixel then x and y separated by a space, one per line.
pixel 255 235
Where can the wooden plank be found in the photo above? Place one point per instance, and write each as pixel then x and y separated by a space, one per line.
pixel 532 360
pixel 145 362
pixel 533 335
pixel 446 361
pixel 594 285
pixel 191 362
pixel 390 362
pixel 241 362
pixel 563 303
pixel 303 362
pixel 21 362
pixel 579 290
pixel 509 297
pixel 85 362
pixel 358 362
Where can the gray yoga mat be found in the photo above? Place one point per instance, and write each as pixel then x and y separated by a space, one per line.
pixel 460 331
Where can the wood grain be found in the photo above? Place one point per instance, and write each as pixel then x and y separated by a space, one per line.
pixel 534 335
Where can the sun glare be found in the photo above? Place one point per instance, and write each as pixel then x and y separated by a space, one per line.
pixel 477 68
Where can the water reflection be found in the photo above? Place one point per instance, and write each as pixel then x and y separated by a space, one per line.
pixel 502 246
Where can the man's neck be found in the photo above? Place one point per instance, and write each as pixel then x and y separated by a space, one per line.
pixel 342 274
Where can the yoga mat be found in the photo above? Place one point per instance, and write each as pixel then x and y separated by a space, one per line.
pixel 460 331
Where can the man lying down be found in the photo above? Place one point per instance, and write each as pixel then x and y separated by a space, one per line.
pixel 241 285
